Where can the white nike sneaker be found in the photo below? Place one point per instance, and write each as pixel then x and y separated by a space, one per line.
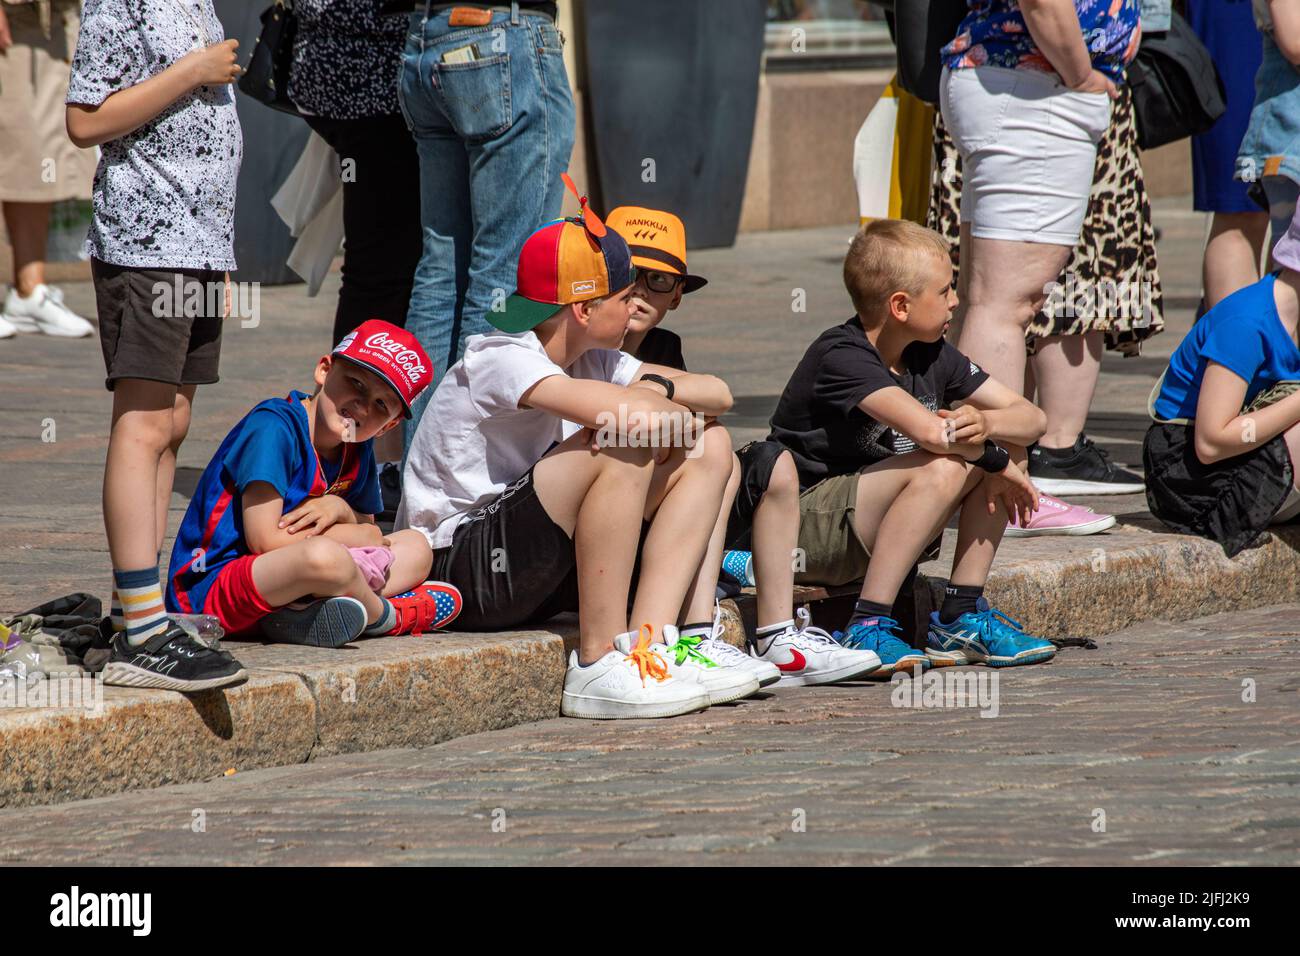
pixel 723 683
pixel 44 311
pixel 7 329
pixel 807 655
pixel 628 684
pixel 716 648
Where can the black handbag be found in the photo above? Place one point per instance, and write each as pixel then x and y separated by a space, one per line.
pixel 922 29
pixel 267 77
pixel 1177 92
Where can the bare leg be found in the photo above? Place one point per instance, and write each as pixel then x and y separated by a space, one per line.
pixel 598 499
pixel 905 500
pixel 1066 368
pixel 776 535
pixel 314 567
pixel 412 558
pixel 1232 253
pixel 682 506
pixel 978 535
pixel 181 411
pixel 703 590
pixel 28 224
pixel 139 437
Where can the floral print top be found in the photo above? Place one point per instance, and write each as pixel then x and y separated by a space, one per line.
pixel 994 34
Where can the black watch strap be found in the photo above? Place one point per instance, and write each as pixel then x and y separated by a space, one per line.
pixel 667 383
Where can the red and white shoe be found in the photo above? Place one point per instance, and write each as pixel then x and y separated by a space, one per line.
pixel 807 655
pixel 430 607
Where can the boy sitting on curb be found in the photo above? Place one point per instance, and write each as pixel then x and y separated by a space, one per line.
pixel 885 462
pixel 529 523
pixel 763 515
pixel 285 510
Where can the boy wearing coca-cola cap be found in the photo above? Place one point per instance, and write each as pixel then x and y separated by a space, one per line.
pixel 280 536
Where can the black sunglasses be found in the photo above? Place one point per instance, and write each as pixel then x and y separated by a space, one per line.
pixel 659 281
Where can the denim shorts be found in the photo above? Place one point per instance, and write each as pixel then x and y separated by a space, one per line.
pixel 1028 146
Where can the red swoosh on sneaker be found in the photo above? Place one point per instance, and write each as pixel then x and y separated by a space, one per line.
pixel 796 662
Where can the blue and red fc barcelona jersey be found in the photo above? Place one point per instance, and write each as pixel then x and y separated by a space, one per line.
pixel 272 443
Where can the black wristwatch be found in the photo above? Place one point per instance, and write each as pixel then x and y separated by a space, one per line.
pixel 667 383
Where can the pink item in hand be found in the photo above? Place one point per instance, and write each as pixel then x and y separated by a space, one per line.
pixel 374 563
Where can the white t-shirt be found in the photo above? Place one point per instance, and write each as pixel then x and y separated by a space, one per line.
pixel 473 439
pixel 164 194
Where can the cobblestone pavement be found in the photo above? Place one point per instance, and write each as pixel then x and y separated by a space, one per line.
pixel 1168 744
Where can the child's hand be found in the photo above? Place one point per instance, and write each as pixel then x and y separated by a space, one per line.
pixel 965 423
pixel 214 65
pixel 316 515
pixel 1017 493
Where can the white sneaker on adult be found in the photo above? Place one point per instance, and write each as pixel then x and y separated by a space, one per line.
pixel 716 648
pixel 807 655
pixel 7 329
pixel 44 311
pixel 627 684
pixel 685 662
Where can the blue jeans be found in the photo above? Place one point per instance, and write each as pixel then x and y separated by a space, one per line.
pixel 493 135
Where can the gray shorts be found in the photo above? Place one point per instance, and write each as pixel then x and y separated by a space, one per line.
pixel 159 325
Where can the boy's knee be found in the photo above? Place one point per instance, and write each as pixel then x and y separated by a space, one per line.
pixel 784 482
pixel 733 483
pixel 714 451
pixel 949 471
pixel 326 562
pixel 151 431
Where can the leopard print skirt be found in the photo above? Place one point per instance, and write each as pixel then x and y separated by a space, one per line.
pixel 1111 283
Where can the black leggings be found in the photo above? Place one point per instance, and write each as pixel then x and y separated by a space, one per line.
pixel 381 217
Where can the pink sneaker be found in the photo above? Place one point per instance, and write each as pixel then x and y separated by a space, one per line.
pixel 1055 516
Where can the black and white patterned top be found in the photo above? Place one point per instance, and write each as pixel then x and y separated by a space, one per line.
pixel 346 58
pixel 164 194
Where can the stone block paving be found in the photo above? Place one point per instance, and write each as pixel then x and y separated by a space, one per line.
pixel 1157 730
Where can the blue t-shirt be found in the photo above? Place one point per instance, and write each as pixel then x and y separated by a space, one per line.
pixel 272 443
pixel 1244 334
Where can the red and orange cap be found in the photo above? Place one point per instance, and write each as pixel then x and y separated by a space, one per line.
pixel 568 260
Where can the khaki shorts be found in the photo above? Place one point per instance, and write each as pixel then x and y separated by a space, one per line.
pixel 832 551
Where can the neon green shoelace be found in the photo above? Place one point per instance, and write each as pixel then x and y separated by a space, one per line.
pixel 689 648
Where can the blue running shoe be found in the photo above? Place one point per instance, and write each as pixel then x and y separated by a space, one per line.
pixel 987 637
pixel 877 634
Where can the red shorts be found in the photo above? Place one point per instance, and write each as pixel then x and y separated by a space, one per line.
pixel 234 598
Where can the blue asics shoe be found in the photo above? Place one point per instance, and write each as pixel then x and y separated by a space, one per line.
pixel 877 634
pixel 984 636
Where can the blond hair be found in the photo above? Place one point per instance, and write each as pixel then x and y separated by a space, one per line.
pixel 888 256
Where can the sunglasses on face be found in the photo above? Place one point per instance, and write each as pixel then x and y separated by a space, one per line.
pixel 658 281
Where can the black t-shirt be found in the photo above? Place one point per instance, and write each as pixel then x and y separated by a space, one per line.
pixel 818 417
pixel 661 347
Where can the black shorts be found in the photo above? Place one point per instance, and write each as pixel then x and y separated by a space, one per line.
pixel 757 459
pixel 512 563
pixel 144 330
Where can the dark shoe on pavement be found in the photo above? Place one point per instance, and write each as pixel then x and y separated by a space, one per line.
pixel 1083 469
pixel 171 660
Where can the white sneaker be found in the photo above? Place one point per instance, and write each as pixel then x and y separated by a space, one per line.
pixel 7 329
pixel 807 655
pixel 44 311
pixel 723 684
pixel 716 648
pixel 625 684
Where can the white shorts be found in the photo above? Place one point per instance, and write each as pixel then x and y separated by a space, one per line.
pixel 1028 147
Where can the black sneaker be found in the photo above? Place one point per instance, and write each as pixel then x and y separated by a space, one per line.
pixel 171 660
pixel 326 622
pixel 1083 469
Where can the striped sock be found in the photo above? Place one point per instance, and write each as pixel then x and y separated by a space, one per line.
pixel 139 594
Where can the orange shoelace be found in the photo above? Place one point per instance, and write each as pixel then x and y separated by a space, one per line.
pixel 646 660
